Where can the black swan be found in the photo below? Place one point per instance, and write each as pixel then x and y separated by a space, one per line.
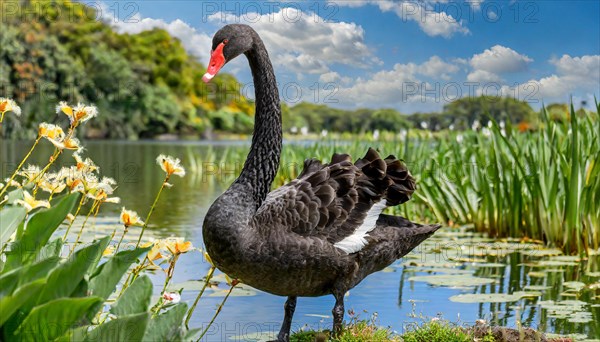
pixel 321 233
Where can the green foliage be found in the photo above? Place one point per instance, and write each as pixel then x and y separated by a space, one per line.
pixel 46 297
pixel 437 331
pixel 145 84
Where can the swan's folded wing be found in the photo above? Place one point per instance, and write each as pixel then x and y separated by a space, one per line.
pixel 338 202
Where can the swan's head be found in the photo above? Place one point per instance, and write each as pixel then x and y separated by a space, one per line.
pixel 228 43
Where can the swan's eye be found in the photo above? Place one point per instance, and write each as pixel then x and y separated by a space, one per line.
pixel 225 41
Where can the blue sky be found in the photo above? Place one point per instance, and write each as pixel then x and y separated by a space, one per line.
pixel 409 55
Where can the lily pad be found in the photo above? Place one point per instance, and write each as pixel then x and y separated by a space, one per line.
pixel 237 292
pixel 536 274
pixel 492 297
pixel 453 280
pixel 575 285
pixel 489 264
pixel 541 252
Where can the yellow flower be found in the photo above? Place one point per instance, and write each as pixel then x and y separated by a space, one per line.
pixel 8 105
pixel 31 173
pixel 30 203
pixel 130 218
pixel 86 165
pixel 65 108
pixel 69 144
pixel 154 253
pixel 50 131
pixel 178 245
pixel 100 191
pixel 170 165
pixel 52 183
pixel 81 113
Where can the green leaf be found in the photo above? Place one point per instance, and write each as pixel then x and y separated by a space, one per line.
pixel 167 326
pixel 38 231
pixel 10 304
pixel 125 328
pixel 135 299
pixel 50 250
pixel 14 195
pixel 10 218
pixel 64 279
pixel 107 276
pixel 22 275
pixel 51 320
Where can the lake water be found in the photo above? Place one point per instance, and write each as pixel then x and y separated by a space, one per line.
pixel 559 293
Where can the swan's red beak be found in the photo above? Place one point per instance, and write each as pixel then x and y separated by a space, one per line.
pixel 217 60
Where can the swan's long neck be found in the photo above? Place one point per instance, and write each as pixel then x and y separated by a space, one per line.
pixel 262 162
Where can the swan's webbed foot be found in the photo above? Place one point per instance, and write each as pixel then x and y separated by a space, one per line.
pixel 289 308
pixel 338 314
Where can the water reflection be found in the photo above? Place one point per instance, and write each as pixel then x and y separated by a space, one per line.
pixel 182 209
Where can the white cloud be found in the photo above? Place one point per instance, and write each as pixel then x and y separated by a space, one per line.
pixel 304 42
pixel 432 22
pixel 436 67
pixel 196 43
pixel 482 76
pixel 334 77
pixel 400 85
pixel 500 59
pixel 573 75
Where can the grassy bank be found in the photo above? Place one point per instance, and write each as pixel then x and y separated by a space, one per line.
pixel 435 330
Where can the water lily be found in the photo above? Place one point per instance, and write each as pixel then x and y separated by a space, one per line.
pixel 170 165
pixel 8 105
pixel 171 297
pixel 130 218
pixel 30 203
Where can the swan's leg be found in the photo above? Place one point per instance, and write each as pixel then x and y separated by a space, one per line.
pixel 338 313
pixel 289 307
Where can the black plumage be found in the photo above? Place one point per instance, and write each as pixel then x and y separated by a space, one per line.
pixel 320 234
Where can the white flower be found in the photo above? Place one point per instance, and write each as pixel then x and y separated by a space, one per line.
pixel 172 297
pixel 170 165
pixel 459 138
pixel 8 105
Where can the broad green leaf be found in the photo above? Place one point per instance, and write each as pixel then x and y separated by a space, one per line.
pixel 10 304
pixel 10 218
pixel 64 279
pixel 107 276
pixel 125 329
pixel 14 195
pixel 50 250
pixel 25 274
pixel 51 320
pixel 38 230
pixel 135 299
pixel 167 326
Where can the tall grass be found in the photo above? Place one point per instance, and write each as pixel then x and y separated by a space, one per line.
pixel 542 185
